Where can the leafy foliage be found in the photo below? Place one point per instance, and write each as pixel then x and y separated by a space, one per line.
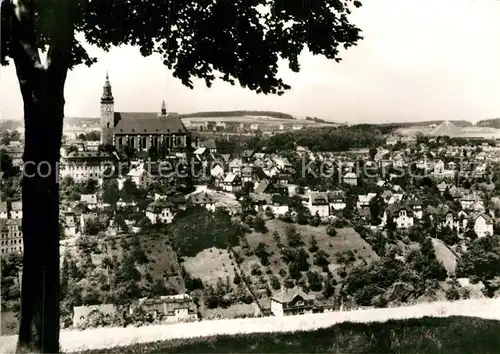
pixel 197 229
pixel 250 40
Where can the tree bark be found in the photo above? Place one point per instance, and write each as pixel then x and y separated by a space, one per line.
pixel 42 89
pixel 43 106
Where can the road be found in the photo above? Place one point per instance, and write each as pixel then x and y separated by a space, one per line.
pixel 99 338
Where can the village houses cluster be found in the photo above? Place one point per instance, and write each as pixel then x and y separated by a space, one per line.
pixel 265 182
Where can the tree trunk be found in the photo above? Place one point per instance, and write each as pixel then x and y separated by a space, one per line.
pixel 43 115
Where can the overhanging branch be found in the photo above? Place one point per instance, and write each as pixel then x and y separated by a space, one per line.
pixel 23 45
pixel 62 37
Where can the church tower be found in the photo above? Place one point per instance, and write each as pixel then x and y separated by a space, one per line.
pixel 107 114
pixel 163 111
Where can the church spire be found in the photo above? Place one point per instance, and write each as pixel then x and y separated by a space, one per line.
pixel 107 95
pixel 163 108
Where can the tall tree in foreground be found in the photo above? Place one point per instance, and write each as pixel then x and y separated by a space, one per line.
pixel 233 40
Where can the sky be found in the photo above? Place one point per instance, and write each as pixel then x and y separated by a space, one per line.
pixel 419 60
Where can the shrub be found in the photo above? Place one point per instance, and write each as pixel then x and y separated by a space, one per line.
pixel 259 225
pixel 289 283
pixel 247 299
pixel 275 283
pixel 452 294
pixel 331 230
pixel 256 270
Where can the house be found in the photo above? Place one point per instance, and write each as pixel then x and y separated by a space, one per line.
pixel 261 201
pixel 161 211
pixel 283 177
pixel 441 186
pixel 266 186
pixel 386 196
pixel 336 200
pixel 139 175
pixel 121 203
pixel 249 173
pixel 395 198
pixel 235 166
pixel 277 203
pixel 416 208
pixel 3 210
pixel 203 200
pixel 351 178
pixel 478 205
pixel 83 313
pixel 392 140
pixel 301 150
pixel 172 308
pixel 201 153
pixel 69 224
pixel 85 165
pixel 16 210
pixel 292 302
pixel 11 236
pixel 469 200
pixel 89 199
pixel 482 224
pixel 401 215
pixel 283 163
pixel 216 170
pixel 232 183
pixel 210 145
pixel 364 200
pixel 272 171
pixel 280 204
pixel 439 167
pixel 259 156
pixel 247 154
pixel 318 203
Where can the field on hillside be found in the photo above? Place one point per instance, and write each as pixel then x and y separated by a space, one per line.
pixel 424 335
pixel 161 260
pixel 255 119
pixel 210 265
pixel 346 240
pixel 445 256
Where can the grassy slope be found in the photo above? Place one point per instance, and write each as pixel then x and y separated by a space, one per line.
pixel 345 240
pixel 426 335
pixel 210 265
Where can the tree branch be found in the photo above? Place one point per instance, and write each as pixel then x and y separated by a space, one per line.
pixel 23 45
pixel 62 36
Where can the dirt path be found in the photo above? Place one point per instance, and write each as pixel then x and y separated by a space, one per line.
pixel 110 337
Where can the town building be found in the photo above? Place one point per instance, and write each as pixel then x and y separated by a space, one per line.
pixel 296 302
pixel 16 210
pixel 85 165
pixel 401 215
pixel 160 211
pixel 171 308
pixel 141 130
pixel 482 224
pixel 11 235
pixel 3 210
pixel 318 204
pixel 82 314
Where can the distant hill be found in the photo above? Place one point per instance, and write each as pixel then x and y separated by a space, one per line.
pixel 215 114
pixel 11 124
pixel 491 123
pixel 457 123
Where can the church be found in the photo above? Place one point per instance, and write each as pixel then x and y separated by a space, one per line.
pixel 141 130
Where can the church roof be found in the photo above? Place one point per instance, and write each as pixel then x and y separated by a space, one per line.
pixel 147 123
